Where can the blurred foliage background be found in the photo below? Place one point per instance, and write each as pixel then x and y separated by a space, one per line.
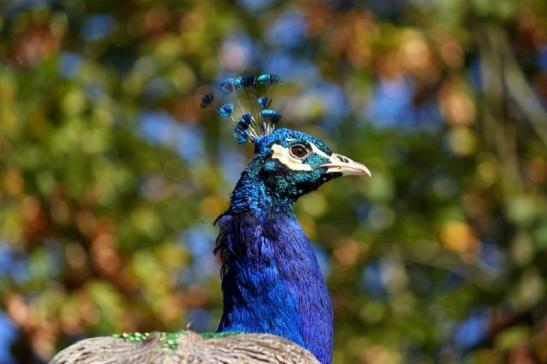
pixel 111 175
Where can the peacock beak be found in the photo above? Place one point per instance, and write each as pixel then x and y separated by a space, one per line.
pixel 348 167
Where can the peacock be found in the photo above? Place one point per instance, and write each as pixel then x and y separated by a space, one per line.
pixel 277 307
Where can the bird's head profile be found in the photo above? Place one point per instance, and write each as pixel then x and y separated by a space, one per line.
pixel 286 163
pixel 293 163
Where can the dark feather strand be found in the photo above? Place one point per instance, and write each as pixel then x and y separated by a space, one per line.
pixel 244 82
pixel 207 100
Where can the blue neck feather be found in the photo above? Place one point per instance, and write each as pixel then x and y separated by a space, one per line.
pixel 271 279
pixel 251 194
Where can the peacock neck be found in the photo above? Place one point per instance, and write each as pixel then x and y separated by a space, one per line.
pixel 271 280
pixel 259 194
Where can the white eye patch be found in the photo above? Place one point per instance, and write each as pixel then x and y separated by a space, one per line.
pixel 283 155
pixel 318 151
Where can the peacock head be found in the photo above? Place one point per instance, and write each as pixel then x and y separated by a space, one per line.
pixel 292 163
pixel 287 163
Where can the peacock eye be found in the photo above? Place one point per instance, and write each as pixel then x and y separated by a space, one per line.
pixel 299 151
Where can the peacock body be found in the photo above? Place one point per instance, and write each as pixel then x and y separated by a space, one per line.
pixel 276 303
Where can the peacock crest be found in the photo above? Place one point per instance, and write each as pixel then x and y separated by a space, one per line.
pixel 245 100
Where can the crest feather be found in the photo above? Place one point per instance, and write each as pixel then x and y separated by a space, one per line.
pixel 247 104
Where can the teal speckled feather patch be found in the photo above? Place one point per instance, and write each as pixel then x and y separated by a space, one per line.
pixel 168 340
pixel 133 337
pixel 217 335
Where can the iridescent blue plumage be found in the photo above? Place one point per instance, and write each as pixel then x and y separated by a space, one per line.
pixel 263 102
pixel 226 110
pixel 244 82
pixel 272 282
pixel 227 86
pixel 241 129
pixel 270 277
pixel 267 79
pixel 271 116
